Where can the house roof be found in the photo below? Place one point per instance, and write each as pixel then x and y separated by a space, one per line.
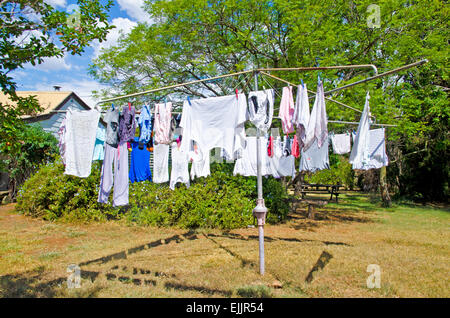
pixel 49 101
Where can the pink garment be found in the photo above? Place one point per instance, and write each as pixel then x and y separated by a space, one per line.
pixel 163 116
pixel 287 108
pixel 295 151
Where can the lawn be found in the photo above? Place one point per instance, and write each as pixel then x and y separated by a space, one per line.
pixel 409 243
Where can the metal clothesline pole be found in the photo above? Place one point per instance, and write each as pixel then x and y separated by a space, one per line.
pixel 396 70
pixel 236 74
pixel 260 210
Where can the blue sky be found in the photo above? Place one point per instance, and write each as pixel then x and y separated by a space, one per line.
pixel 70 72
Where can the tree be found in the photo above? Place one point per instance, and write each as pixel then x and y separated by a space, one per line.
pixel 192 40
pixel 28 33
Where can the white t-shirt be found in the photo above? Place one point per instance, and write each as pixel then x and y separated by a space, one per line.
pixel 200 163
pixel 215 122
pixel 160 163
pixel 180 172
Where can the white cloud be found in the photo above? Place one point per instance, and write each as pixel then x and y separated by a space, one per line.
pixel 51 64
pixel 56 3
pixel 134 8
pixel 122 26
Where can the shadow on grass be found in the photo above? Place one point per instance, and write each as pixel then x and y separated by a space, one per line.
pixel 29 285
pixel 271 239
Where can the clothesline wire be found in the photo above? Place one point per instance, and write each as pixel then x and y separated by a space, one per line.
pixel 309 91
pixel 236 74
pixel 270 85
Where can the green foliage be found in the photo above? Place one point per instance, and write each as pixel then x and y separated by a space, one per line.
pixel 37 147
pixel 340 172
pixel 28 30
pixel 218 201
pixel 208 38
pixel 51 194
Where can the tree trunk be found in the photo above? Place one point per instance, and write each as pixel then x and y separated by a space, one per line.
pixel 385 197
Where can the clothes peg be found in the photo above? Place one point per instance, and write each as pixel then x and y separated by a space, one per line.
pixel 112 106
pixel 303 84
pixel 129 106
pixel 237 93
pixel 189 100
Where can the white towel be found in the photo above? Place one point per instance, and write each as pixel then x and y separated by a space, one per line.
pixel 160 163
pixel 377 151
pixel 301 114
pixel 81 130
pixel 317 126
pixel 360 151
pixel 341 143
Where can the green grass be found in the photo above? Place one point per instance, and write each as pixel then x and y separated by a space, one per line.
pixel 409 242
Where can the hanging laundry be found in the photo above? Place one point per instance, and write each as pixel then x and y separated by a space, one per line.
pixel 215 122
pixel 360 151
pixel 81 127
pixel 295 150
pixel 377 157
pixel 161 163
pixel 127 125
pixel 287 148
pixel 99 147
pixel 112 127
pixel 140 163
pixel 341 143
pixel 145 126
pixel 247 164
pixel 62 140
pixel 287 108
pixel 260 108
pixel 180 172
pixel 317 125
pixel 301 114
pixel 163 117
pixel 315 158
pixel 283 166
pixel 270 147
pixel 119 157
pixel 200 162
pixel 278 147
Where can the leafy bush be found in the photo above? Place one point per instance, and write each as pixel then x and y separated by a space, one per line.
pixel 37 147
pixel 218 201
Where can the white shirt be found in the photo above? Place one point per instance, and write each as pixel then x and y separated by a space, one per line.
pixel 262 116
pixel 160 163
pixel 180 171
pixel 215 122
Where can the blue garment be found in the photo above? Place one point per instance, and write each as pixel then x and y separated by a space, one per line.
pixel 99 151
pixel 145 125
pixel 140 163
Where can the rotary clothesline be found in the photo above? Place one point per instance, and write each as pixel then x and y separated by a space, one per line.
pixel 260 210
